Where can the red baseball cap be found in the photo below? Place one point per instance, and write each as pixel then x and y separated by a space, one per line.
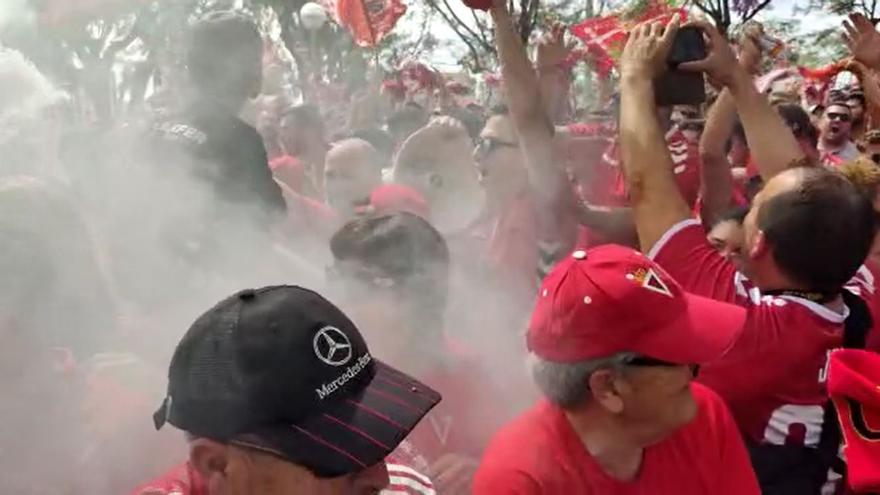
pixel 613 299
pixel 854 386
pixel 391 198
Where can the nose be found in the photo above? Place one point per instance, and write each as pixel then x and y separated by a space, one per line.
pixel 372 480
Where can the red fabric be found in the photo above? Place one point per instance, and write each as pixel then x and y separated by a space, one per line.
pixel 600 176
pixel 854 385
pixel 773 377
pixel 308 217
pixel 478 4
pixel 179 480
pixel 395 197
pixel 369 20
pixel 513 243
pixel 290 171
pixel 865 285
pixel 616 287
pixel 462 422
pixel 539 453
pixel 606 36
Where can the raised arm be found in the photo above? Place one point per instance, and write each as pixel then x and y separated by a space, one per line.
pixel 655 199
pixel 772 144
pixel 716 180
pixel 526 107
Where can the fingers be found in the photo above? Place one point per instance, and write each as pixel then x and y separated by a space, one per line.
pixel 861 22
pixel 848 40
pixel 850 30
pixel 671 30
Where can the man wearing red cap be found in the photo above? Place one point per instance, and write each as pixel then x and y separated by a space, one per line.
pixel 805 236
pixel 614 346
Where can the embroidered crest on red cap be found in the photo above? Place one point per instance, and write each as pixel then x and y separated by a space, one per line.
pixel 860 424
pixel 648 279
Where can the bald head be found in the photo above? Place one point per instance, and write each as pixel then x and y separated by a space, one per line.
pixel 352 169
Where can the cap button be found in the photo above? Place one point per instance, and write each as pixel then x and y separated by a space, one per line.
pixel 247 294
pixel 579 254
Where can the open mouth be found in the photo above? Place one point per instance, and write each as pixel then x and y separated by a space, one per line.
pixel 834 128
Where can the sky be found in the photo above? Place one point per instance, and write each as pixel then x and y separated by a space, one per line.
pixel 779 9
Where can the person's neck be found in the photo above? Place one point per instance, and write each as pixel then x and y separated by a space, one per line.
pixel 608 442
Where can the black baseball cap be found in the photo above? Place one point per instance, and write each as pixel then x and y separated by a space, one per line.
pixel 284 371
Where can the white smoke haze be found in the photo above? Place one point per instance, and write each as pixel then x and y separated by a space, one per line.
pixel 16 12
pixel 133 252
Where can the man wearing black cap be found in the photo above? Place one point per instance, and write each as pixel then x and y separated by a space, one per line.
pixel 278 393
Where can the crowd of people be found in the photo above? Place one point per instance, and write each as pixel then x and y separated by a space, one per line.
pixel 694 289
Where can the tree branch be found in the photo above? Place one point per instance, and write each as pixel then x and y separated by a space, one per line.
pixel 757 9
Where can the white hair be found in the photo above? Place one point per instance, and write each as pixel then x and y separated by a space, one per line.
pixel 565 384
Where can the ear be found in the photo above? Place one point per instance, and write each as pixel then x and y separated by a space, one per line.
pixel 604 392
pixel 210 459
pixel 760 247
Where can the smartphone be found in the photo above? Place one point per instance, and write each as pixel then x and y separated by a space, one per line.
pixel 677 87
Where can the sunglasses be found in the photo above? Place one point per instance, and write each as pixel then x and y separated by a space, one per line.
pixel 842 117
pixel 487 145
pixel 644 361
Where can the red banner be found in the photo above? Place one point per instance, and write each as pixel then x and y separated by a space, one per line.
pixel 606 36
pixel 369 20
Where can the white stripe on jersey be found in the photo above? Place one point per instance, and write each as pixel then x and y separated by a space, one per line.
pixel 400 468
pixel 404 480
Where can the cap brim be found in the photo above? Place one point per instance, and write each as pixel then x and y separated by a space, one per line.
pixel 352 434
pixel 702 334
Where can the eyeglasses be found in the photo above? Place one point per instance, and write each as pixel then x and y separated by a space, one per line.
pixel 486 145
pixel 842 117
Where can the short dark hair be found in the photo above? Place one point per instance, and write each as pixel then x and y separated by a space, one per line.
pixel 303 115
pixel 737 215
pixel 225 54
pixel 401 245
pixel 798 120
pixel 821 231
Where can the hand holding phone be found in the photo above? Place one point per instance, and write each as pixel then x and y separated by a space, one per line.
pixel 677 87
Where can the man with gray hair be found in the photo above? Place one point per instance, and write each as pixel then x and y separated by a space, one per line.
pixel 615 345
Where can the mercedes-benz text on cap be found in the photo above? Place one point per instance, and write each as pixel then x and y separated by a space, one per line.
pixel 284 371
pixel 613 299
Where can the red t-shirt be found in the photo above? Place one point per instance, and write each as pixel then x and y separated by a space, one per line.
pixel 539 453
pixel 773 378
pixel 463 421
pixel 606 186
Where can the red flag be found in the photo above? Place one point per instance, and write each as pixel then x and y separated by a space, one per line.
pixel 369 20
pixel 606 36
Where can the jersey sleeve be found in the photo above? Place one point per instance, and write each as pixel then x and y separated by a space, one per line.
pixel 684 253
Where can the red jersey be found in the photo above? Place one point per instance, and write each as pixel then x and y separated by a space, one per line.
pixel 540 453
pixel 773 378
pixel 599 176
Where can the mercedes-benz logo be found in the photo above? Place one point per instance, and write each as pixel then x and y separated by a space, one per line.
pixel 332 346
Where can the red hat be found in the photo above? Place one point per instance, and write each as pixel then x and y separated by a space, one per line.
pixel 391 198
pixel 854 386
pixel 613 299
